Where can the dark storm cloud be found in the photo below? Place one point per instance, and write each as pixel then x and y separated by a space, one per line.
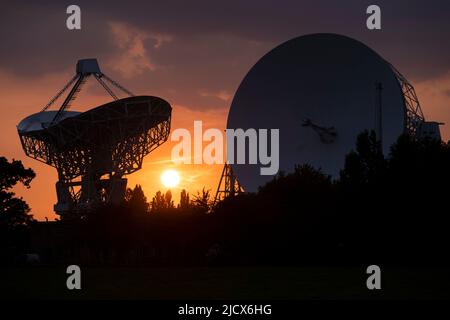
pixel 214 43
pixel 35 41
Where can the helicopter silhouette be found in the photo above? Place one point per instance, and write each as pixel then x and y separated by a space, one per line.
pixel 327 134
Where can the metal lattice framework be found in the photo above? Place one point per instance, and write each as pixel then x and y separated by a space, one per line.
pixel 92 151
pixel 229 185
pixel 125 131
pixel 414 116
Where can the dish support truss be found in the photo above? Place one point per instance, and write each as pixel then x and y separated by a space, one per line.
pixel 85 69
pixel 229 185
pixel 413 116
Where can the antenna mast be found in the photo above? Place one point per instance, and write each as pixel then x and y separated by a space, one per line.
pixel 85 69
pixel 379 113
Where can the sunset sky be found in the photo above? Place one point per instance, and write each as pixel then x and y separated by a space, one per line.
pixel 193 54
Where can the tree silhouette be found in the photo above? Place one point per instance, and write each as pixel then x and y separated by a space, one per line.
pixel 136 200
pixel 366 165
pixel 14 212
pixel 184 200
pixel 424 161
pixel 158 202
pixel 202 201
pixel 162 202
pixel 168 200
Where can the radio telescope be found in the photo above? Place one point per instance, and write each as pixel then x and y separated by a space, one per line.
pixel 321 91
pixel 93 151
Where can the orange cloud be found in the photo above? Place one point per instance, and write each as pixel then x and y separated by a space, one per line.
pixel 133 57
pixel 223 95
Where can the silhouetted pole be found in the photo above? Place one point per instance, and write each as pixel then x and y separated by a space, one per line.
pixel 379 113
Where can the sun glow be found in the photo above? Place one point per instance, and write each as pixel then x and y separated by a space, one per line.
pixel 170 178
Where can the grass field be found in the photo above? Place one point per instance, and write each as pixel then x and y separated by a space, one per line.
pixel 225 283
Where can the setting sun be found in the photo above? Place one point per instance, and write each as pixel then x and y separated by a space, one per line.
pixel 170 178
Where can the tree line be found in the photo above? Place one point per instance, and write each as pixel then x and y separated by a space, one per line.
pixel 388 208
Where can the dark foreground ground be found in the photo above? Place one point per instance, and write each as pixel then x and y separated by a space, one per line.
pixel 226 283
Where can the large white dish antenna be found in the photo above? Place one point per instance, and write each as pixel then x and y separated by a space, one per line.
pixel 320 91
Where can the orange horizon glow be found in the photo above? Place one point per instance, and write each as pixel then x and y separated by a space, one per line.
pixel 41 196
